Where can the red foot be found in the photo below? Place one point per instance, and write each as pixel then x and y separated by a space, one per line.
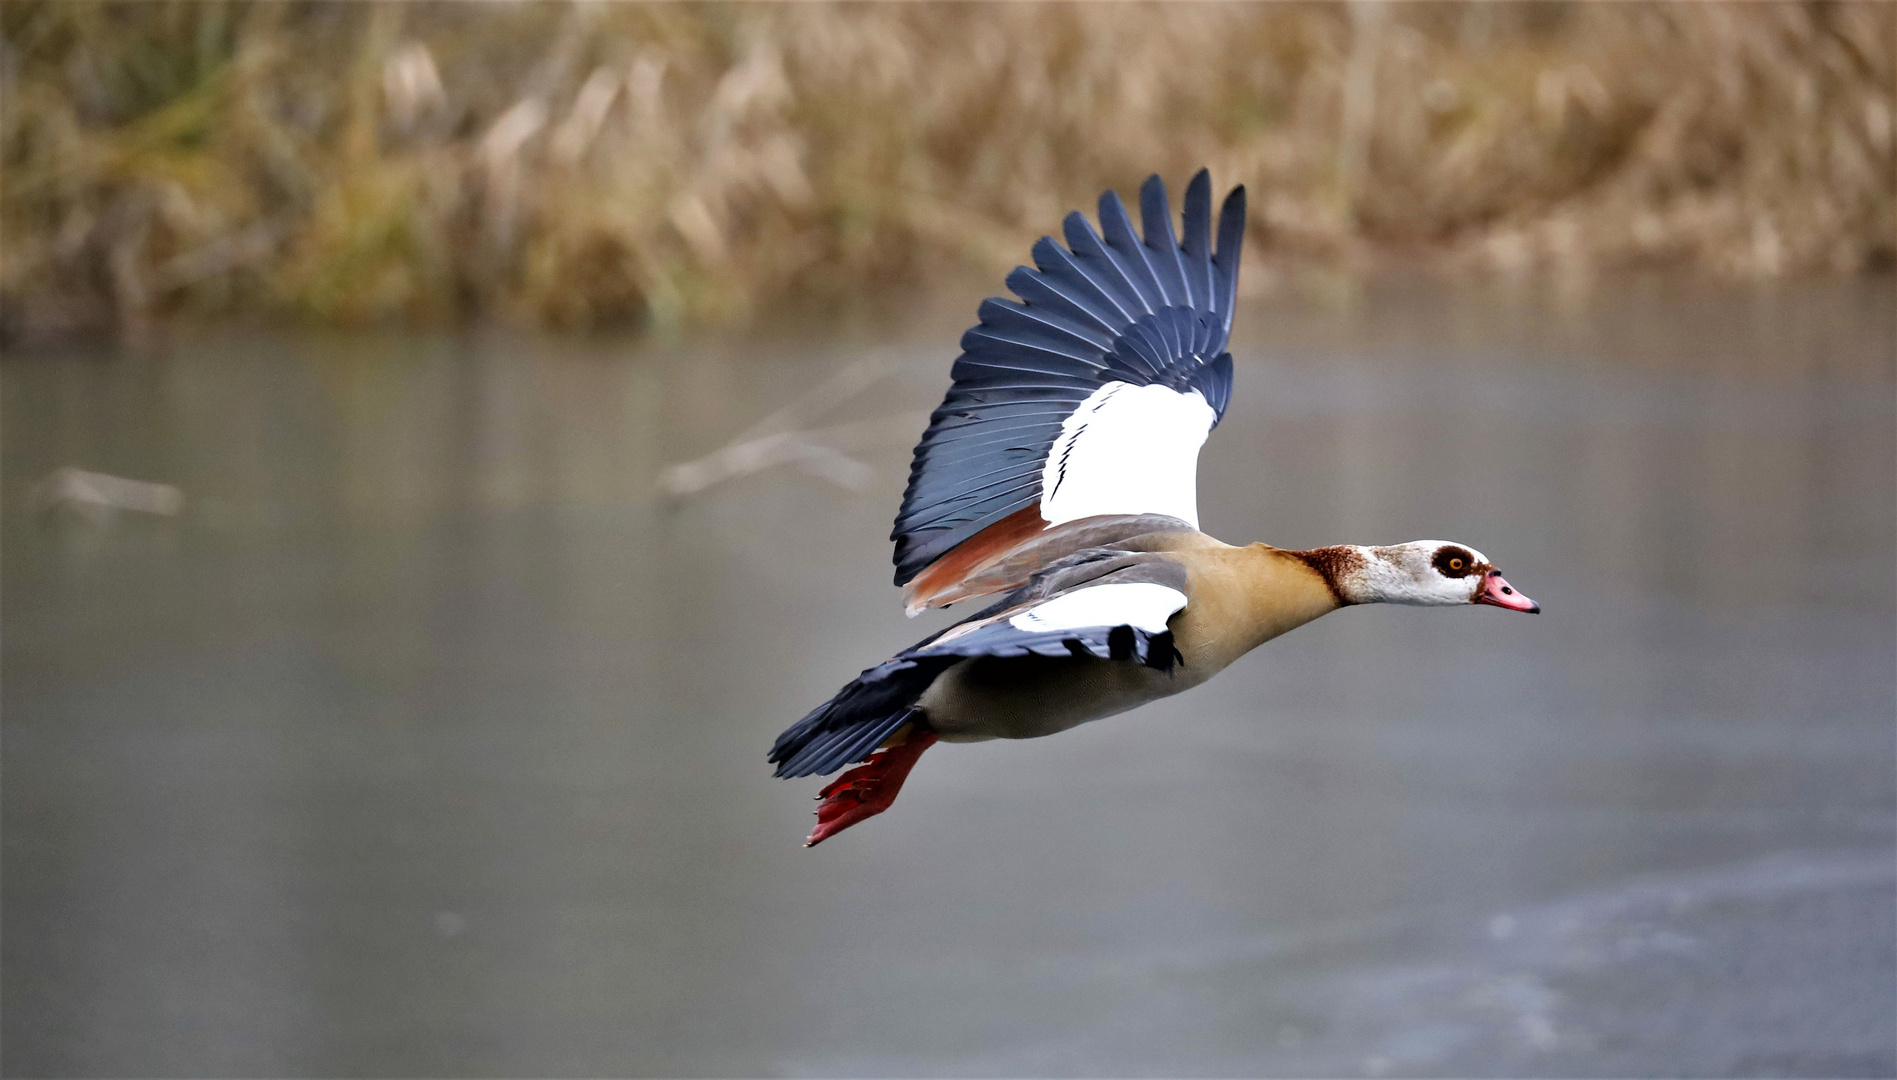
pixel 867 790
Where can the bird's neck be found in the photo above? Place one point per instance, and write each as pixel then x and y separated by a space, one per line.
pixel 1286 589
pixel 1244 597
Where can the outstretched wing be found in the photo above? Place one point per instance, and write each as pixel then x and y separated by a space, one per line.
pixel 1102 602
pixel 1091 396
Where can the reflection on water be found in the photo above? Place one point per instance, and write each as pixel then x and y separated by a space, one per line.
pixel 429 739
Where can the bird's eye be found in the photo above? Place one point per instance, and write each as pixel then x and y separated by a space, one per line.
pixel 1452 561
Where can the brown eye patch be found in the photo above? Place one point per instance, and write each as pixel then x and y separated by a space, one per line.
pixel 1453 562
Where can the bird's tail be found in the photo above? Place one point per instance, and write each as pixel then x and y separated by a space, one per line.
pixel 876 711
pixel 850 726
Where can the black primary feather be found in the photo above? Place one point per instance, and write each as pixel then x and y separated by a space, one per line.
pixel 1109 307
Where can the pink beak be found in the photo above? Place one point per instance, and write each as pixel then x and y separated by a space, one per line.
pixel 1496 590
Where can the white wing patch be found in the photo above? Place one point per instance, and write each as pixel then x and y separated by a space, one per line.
pixel 1128 450
pixel 1145 605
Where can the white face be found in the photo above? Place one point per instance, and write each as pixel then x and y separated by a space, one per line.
pixel 1427 573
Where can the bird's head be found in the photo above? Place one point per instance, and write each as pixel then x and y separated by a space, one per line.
pixel 1429 573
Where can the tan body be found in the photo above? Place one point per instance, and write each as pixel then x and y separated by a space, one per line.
pixel 1238 598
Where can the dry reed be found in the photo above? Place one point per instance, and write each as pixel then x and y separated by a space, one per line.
pixel 582 164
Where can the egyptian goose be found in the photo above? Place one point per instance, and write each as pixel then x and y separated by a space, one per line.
pixel 1059 474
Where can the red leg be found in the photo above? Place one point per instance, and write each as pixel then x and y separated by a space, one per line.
pixel 867 790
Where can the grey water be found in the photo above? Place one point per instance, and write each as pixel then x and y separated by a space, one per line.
pixel 428 738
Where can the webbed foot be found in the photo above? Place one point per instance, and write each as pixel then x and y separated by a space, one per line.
pixel 867 790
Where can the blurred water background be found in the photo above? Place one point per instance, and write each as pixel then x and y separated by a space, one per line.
pixel 428 738
pixel 381 697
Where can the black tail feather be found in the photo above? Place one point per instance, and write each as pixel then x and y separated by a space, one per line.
pixel 849 727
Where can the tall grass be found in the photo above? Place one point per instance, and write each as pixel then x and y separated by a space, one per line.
pixel 581 164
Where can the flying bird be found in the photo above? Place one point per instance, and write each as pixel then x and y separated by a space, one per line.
pixel 1059 475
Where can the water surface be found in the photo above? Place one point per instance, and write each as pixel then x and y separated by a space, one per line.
pixel 429 738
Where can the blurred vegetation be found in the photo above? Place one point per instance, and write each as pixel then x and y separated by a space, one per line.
pixel 586 164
